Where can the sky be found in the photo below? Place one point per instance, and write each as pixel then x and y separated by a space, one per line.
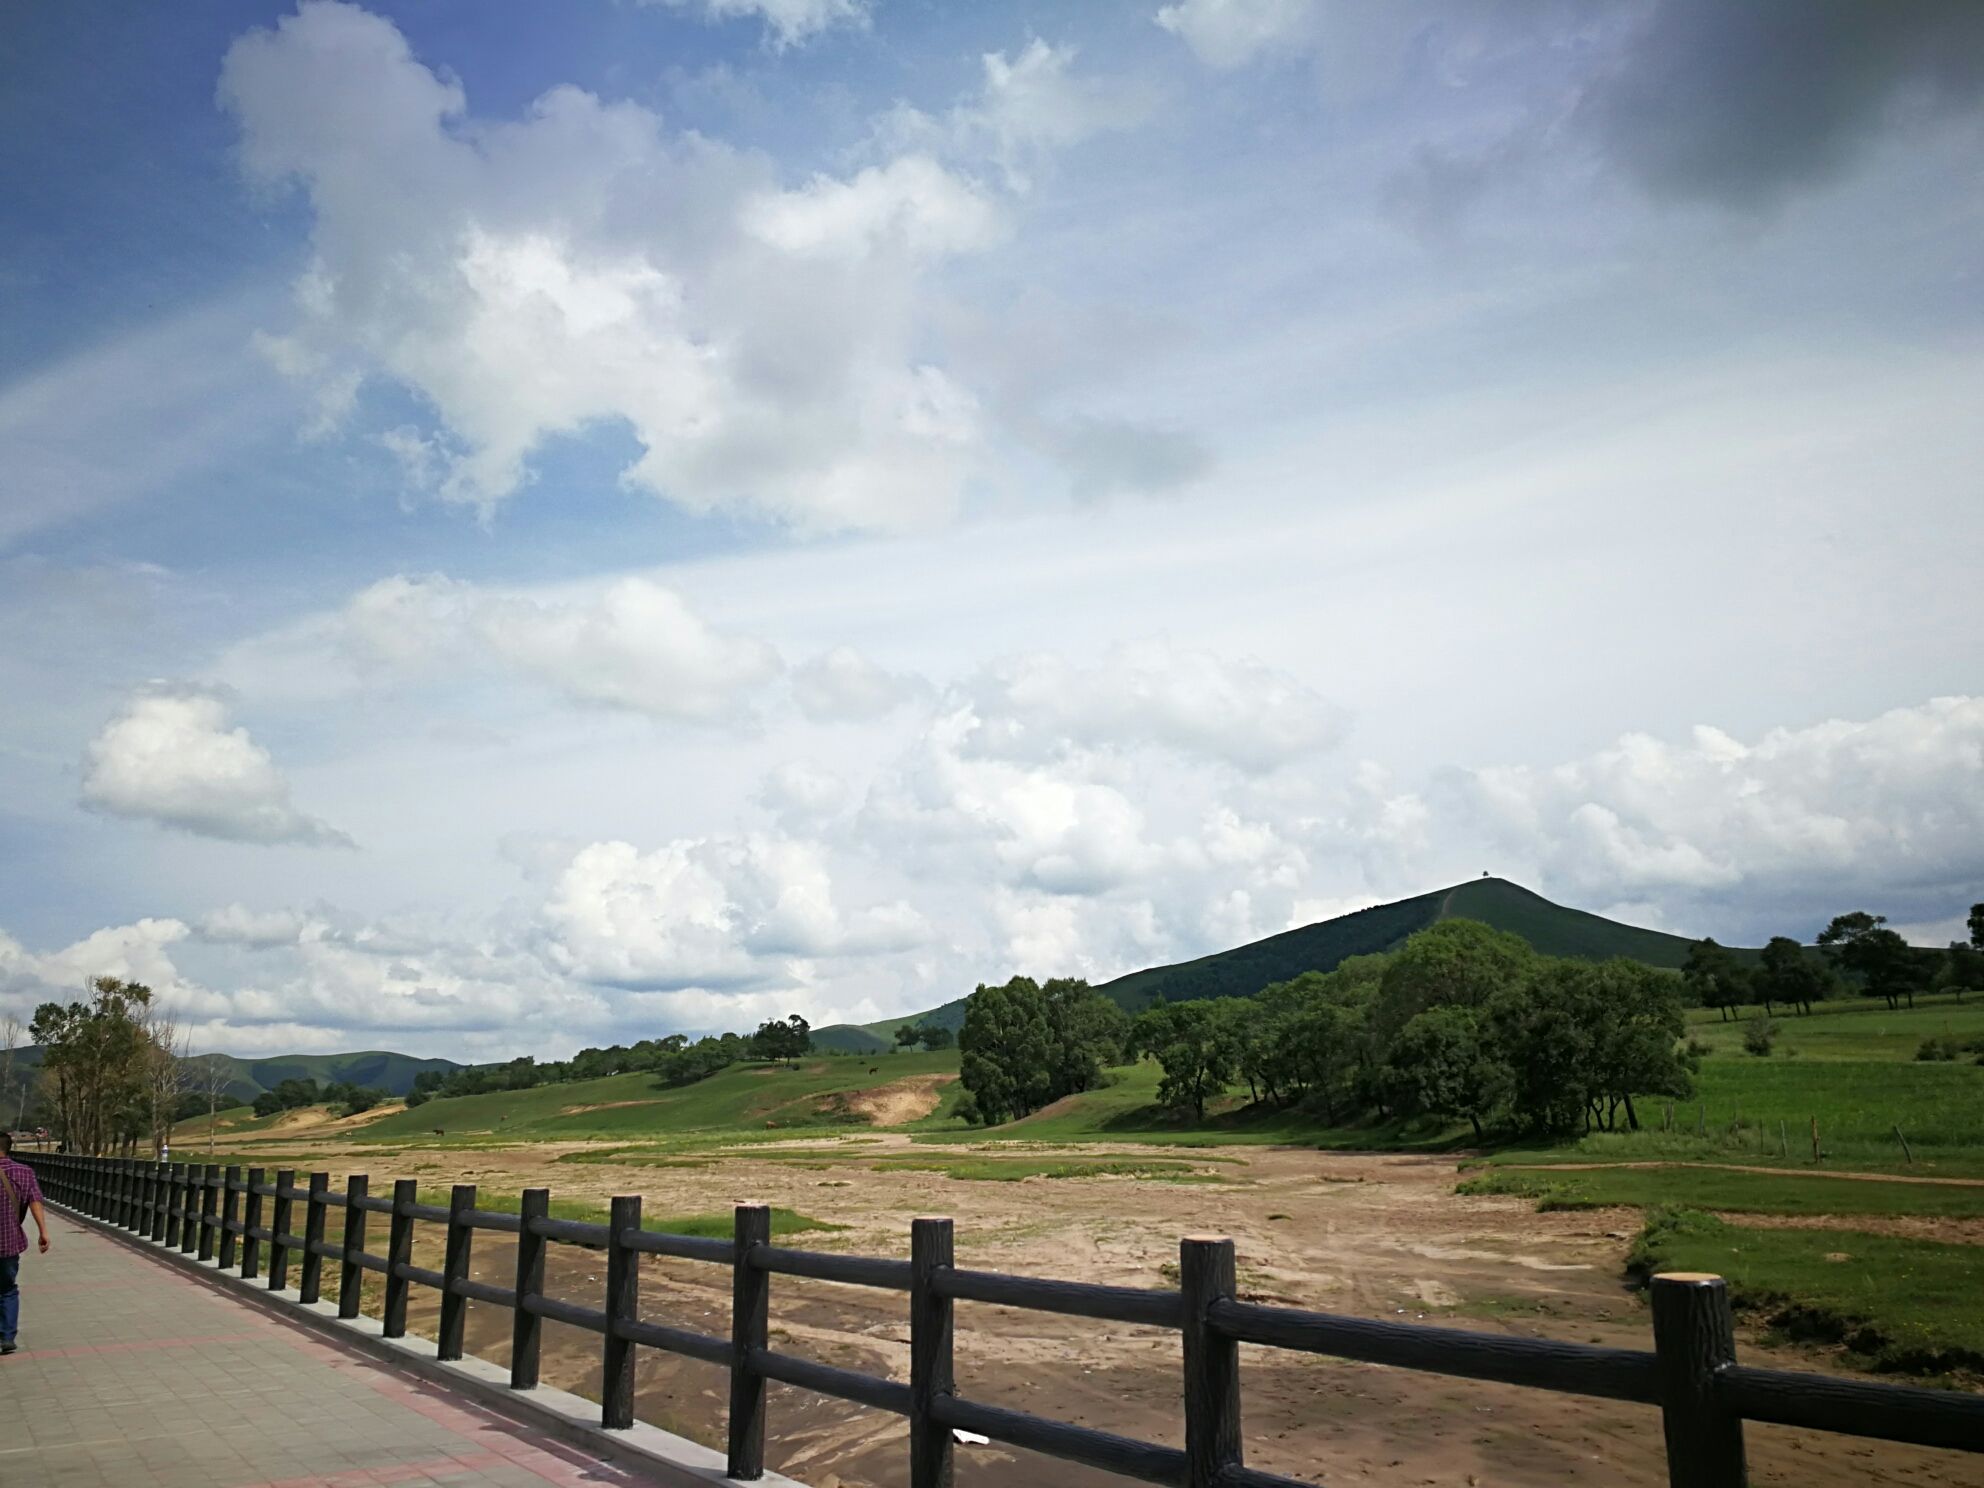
pixel 540 525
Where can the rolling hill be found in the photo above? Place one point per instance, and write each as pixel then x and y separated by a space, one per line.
pixel 248 1078
pixel 1551 928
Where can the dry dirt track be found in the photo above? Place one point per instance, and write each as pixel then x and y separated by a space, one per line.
pixel 1377 1236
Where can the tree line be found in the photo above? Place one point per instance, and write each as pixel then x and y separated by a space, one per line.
pixel 113 1069
pixel 1857 953
pixel 674 1060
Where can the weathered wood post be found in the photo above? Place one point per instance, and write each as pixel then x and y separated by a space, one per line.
pixel 930 1374
pixel 1206 1274
pixel 209 1209
pixel 526 1327
pixel 351 1275
pixel 311 1288
pixel 175 1213
pixel 750 1328
pixel 1694 1338
pixel 623 1305
pixel 454 1268
pixel 285 1212
pixel 251 1220
pixel 399 1255
pixel 196 1198
pixel 230 1217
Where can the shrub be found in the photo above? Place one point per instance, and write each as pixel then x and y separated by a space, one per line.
pixel 1759 1035
pixel 1939 1046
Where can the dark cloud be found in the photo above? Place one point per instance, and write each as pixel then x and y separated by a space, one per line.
pixel 1739 102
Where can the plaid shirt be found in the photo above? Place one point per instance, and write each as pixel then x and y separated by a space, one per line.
pixel 13 1231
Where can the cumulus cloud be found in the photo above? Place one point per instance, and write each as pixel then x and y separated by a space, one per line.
pixel 799 794
pixel 1242 713
pixel 843 686
pixel 786 22
pixel 710 913
pixel 171 757
pixel 583 264
pixel 633 645
pixel 1231 33
pixel 1889 806
pixel 1739 105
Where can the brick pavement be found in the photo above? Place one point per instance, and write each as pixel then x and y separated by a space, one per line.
pixel 133 1374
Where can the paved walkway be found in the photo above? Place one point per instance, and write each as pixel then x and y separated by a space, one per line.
pixel 132 1373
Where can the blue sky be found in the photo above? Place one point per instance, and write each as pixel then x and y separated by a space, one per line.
pixel 530 525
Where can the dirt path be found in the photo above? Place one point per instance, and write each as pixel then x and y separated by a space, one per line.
pixel 1374 1236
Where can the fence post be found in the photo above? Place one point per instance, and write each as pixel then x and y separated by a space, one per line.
pixel 196 1198
pixel 399 1255
pixel 230 1217
pixel 930 1373
pixel 351 1275
pixel 623 1305
pixel 1694 1337
pixel 251 1219
pixel 175 1199
pixel 454 1306
pixel 154 1210
pixel 311 1288
pixel 126 1204
pixel 133 1172
pixel 1206 1275
pixel 526 1327
pixel 285 1212
pixel 209 1209
pixel 750 1328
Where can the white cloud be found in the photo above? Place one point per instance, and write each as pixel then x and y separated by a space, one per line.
pixel 170 757
pixel 1231 33
pixel 1891 805
pixel 787 22
pixel 710 913
pixel 843 686
pixel 800 793
pixel 236 924
pixel 584 266
pixel 1243 712
pixel 632 644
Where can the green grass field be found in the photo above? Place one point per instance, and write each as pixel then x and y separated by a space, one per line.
pixel 1897 1304
pixel 1728 1192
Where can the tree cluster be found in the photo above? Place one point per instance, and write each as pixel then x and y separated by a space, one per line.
pixel 293 1094
pixel 925 1035
pixel 112 1068
pixel 1024 1045
pixel 1857 952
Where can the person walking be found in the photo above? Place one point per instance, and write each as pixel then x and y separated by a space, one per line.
pixel 20 1196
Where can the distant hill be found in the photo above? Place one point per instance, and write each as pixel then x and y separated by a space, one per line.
pixel 1241 972
pixel 248 1078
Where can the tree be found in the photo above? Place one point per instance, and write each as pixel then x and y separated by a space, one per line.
pixel 1963 970
pixel 1006 1051
pixel 1887 965
pixel 789 1039
pixel 934 1036
pixel 213 1077
pixel 1085 1032
pixel 1440 1065
pixel 1636 1030
pixel 1977 927
pixel 1787 974
pixel 907 1035
pixel 1192 1042
pixel 1455 963
pixel 97 1057
pixel 1543 1031
pixel 1713 977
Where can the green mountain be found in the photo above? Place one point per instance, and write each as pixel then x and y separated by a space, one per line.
pixel 1241 972
pixel 248 1078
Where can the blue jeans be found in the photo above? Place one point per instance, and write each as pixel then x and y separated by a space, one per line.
pixel 10 1297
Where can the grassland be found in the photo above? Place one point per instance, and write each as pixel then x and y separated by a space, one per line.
pixel 1729 1191
pixel 1898 1304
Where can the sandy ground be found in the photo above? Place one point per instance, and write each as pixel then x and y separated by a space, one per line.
pixel 1377 1236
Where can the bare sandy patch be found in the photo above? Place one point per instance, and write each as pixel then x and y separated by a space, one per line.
pixel 897 1103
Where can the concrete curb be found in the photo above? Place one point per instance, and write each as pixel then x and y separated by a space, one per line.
pixel 661 1457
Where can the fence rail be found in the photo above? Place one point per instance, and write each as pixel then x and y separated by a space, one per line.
pixel 1691 1374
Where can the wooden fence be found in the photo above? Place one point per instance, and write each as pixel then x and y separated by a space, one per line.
pixel 1691 1374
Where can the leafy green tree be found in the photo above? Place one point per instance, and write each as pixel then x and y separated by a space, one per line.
pixel 1787 974
pixel 1977 927
pixel 1455 963
pixel 1191 1041
pixel 935 1036
pixel 1714 978
pixel 1006 1050
pixel 1636 1027
pixel 1086 1032
pixel 1963 970
pixel 100 1056
pixel 1543 1031
pixel 907 1035
pixel 789 1039
pixel 1441 1065
pixel 1888 966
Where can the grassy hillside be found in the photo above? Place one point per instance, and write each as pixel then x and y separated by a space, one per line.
pixel 248 1078
pixel 819 1093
